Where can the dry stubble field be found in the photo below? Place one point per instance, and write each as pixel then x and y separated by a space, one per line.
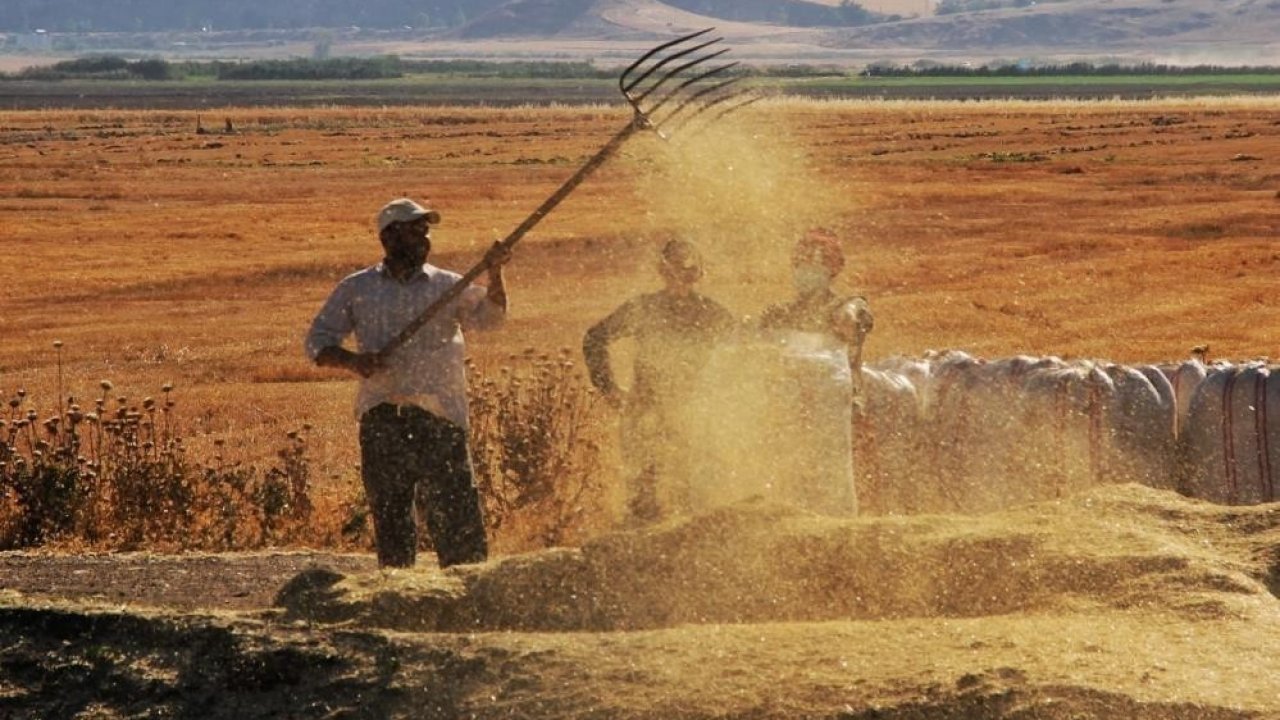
pixel 1126 231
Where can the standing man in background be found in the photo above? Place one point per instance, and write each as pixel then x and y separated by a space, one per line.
pixel 818 336
pixel 674 330
pixel 816 261
pixel 412 404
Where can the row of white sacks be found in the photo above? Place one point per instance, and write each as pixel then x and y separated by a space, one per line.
pixel 950 432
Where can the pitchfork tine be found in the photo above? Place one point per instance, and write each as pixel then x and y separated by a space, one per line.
pixel 624 86
pixel 696 97
pixel 752 97
pixel 690 81
pixel 731 99
pixel 674 73
pixel 671 58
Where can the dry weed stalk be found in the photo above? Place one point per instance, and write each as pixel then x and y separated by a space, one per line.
pixel 119 476
pixel 535 441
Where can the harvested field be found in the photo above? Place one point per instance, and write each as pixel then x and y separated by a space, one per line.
pixel 159 254
pixel 194 247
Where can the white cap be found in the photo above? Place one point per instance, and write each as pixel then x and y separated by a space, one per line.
pixel 404 210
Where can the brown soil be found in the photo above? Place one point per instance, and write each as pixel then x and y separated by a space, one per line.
pixel 1122 602
pixel 235 582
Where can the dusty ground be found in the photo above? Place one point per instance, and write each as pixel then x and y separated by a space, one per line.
pixel 1121 603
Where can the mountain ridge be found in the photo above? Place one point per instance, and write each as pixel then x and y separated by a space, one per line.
pixel 1192 31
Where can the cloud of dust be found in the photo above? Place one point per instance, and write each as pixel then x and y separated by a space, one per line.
pixel 743 190
pixel 1112 547
pixel 752 414
pixel 1224 56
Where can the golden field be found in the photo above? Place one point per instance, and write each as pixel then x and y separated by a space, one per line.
pixel 1130 231
pixel 1126 230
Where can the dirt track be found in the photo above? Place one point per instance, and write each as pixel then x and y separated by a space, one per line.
pixel 235 582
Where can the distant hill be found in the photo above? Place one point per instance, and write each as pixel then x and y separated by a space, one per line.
pixel 191 15
pixel 1242 31
pixel 532 18
pixel 1245 27
pixel 525 17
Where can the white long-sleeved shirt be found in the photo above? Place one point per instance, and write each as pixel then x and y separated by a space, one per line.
pixel 427 371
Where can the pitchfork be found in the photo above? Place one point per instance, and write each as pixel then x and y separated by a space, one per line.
pixel 668 87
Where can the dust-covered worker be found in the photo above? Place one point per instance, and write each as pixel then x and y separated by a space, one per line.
pixel 412 404
pixel 819 335
pixel 674 330
pixel 816 260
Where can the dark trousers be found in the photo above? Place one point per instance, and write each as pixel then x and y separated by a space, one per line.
pixel 407 452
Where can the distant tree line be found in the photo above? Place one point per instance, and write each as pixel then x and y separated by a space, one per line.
pixel 305 69
pixel 99 67
pixel 115 67
pixel 507 69
pixel 584 70
pixel 1076 68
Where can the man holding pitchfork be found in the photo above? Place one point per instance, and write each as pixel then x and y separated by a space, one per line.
pixel 412 402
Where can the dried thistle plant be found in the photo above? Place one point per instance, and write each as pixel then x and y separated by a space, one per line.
pixel 535 440
pixel 120 477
